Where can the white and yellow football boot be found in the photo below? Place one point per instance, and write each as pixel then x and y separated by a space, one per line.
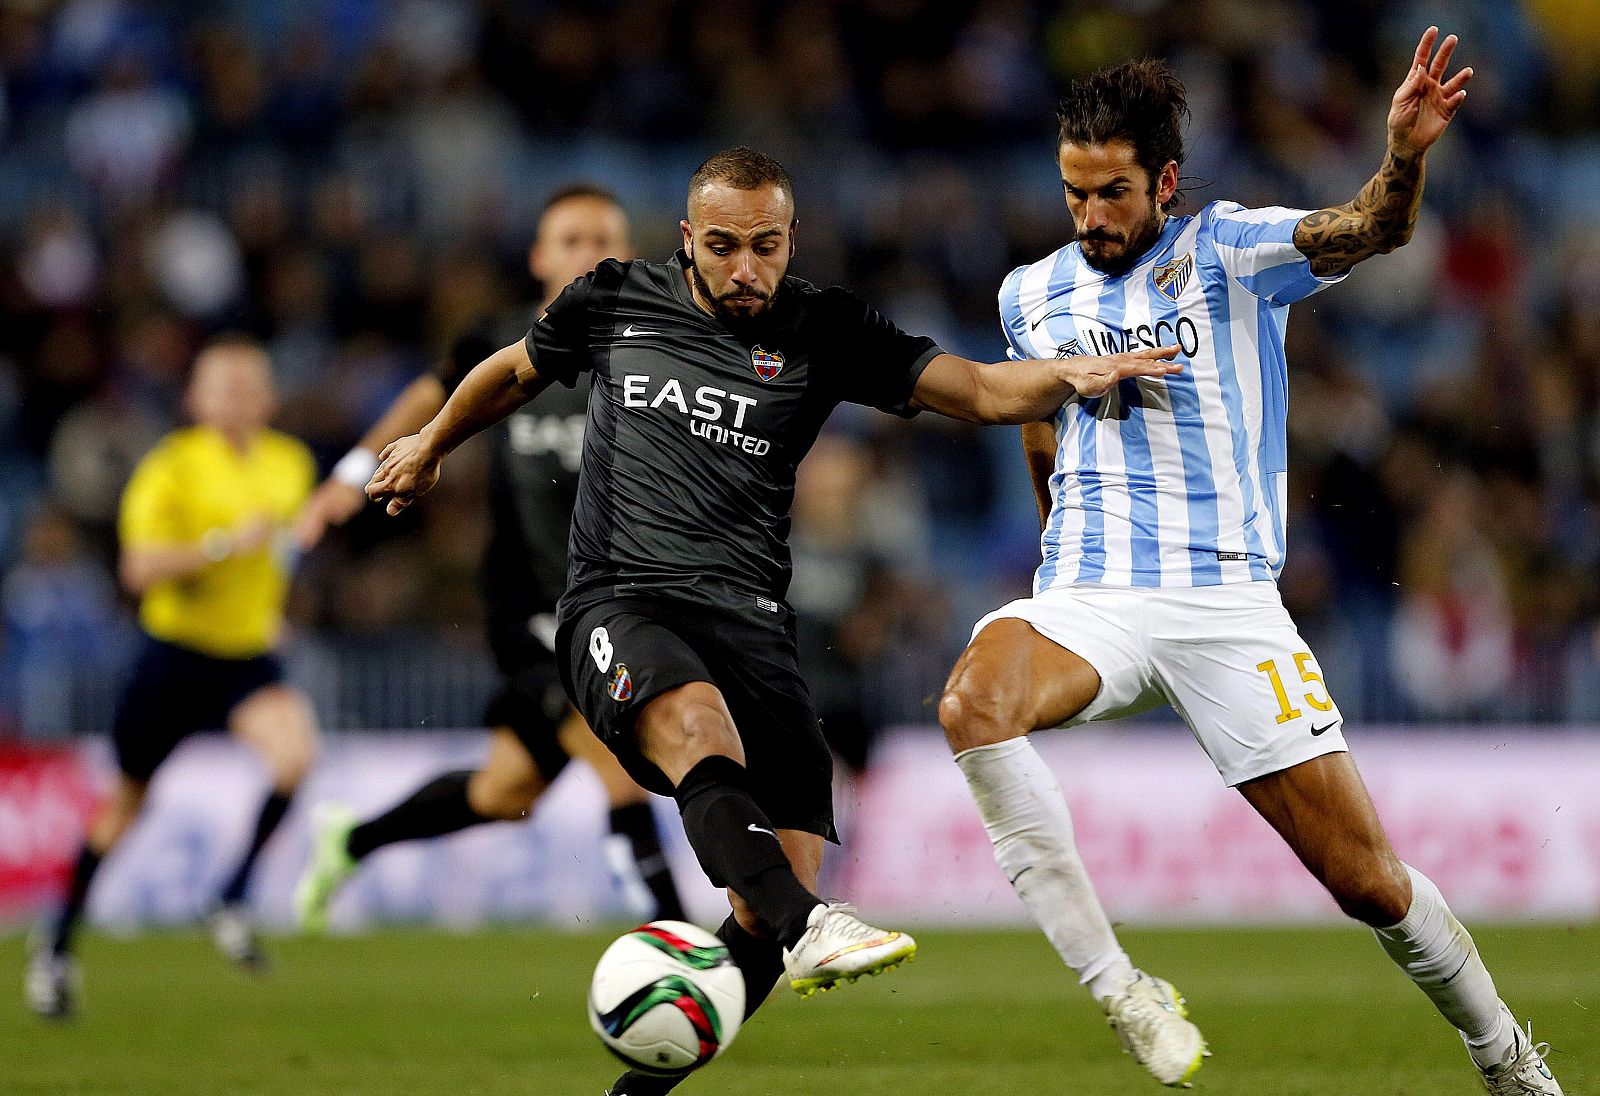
pixel 1150 1018
pixel 838 946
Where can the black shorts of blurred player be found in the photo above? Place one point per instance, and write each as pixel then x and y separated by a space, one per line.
pixel 173 692
pixel 534 733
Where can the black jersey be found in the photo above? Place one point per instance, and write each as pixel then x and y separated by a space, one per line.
pixel 533 482
pixel 695 428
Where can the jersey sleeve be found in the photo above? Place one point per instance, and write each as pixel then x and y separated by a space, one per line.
pixel 558 342
pixel 1012 321
pixel 150 514
pixel 877 363
pixel 1256 248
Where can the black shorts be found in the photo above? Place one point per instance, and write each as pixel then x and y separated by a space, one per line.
pixel 532 703
pixel 624 652
pixel 174 692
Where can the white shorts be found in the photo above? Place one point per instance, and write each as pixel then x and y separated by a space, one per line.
pixel 1227 658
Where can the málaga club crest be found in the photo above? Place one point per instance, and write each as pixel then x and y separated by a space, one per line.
pixel 768 363
pixel 1170 278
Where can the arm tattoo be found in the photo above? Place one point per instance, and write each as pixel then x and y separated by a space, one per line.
pixel 1380 219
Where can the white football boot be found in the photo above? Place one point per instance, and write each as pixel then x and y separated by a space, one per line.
pixel 636 897
pixel 51 985
pixel 233 931
pixel 1522 1072
pixel 838 946
pixel 1150 1018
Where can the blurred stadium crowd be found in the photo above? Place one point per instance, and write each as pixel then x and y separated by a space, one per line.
pixel 356 180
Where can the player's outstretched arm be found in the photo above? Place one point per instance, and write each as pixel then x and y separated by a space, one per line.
pixel 342 495
pixel 1018 392
pixel 1382 217
pixel 497 386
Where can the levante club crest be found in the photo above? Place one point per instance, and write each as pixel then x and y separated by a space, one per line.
pixel 768 363
pixel 1170 278
pixel 621 687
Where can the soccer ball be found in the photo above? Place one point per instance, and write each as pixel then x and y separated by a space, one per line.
pixel 666 998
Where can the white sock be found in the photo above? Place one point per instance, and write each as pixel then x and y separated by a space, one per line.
pixel 1437 953
pixel 1028 822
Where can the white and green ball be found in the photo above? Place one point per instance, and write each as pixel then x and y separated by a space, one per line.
pixel 666 998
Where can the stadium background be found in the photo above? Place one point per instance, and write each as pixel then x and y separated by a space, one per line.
pixel 355 181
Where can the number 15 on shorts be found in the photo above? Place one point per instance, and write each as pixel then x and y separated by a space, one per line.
pixel 1309 675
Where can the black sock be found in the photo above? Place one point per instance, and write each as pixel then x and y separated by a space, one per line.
pixel 634 1083
pixel 637 822
pixel 437 808
pixel 760 960
pixel 272 812
pixel 738 848
pixel 77 895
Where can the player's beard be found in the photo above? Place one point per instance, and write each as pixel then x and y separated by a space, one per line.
pixel 1136 244
pixel 719 304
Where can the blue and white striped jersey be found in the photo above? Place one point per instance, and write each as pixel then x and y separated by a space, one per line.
pixel 1180 480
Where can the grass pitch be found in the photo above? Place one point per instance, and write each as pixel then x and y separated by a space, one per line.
pixel 501 1014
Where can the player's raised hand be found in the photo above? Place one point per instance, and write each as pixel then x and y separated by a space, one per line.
pixel 1093 376
pixel 406 468
pixel 334 503
pixel 1425 101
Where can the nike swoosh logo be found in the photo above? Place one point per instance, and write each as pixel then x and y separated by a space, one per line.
pixel 1033 325
pixel 631 332
pixel 753 828
pixel 886 938
pixel 1320 730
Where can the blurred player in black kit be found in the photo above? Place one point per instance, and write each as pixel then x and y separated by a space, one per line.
pixel 712 375
pixel 533 482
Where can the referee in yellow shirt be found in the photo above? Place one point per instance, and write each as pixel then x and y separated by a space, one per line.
pixel 202 522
